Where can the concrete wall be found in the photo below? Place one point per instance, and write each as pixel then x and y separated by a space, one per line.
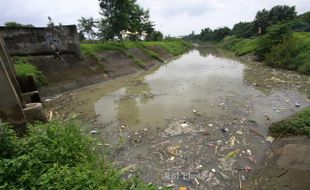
pixel 10 103
pixel 22 41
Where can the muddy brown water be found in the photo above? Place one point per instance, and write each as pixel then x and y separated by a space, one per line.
pixel 169 123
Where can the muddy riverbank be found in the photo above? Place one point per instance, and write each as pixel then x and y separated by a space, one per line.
pixel 199 121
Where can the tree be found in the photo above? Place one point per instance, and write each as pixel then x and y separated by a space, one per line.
pixel 243 29
pixel 15 24
pixel 118 15
pixel 220 33
pixel 86 27
pixel 274 36
pixel 266 18
pixel 206 34
pixel 155 36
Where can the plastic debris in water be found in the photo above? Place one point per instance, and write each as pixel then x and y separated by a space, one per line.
pixel 270 139
pixel 232 154
pixel 224 130
pixel 93 132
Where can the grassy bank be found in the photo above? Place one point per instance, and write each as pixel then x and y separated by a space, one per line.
pixel 240 46
pixel 290 53
pixel 298 124
pixel 24 68
pixel 173 47
pixel 58 155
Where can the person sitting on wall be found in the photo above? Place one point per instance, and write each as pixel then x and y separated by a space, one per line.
pixel 52 42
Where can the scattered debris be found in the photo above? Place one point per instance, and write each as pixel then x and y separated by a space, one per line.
pixel 232 141
pixel 248 169
pixel 249 152
pixel 93 132
pixel 267 116
pixel 183 188
pixel 50 115
pixel 257 132
pixel 239 132
pixel 283 173
pixel 170 185
pixel 224 130
pixel 252 159
pixel 128 168
pixel 48 100
pixel 270 139
pixel 232 154
pixel 213 170
pixel 243 179
pixel 297 105
pixel 173 150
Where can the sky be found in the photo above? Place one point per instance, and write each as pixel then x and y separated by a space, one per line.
pixel 172 17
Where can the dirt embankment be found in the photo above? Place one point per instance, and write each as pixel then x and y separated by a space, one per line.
pixel 72 73
pixel 286 166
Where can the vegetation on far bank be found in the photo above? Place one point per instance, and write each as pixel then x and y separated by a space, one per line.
pixel 277 37
pixel 58 155
pixel 24 68
pixel 297 124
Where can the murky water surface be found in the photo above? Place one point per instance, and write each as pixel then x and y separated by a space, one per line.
pixel 192 121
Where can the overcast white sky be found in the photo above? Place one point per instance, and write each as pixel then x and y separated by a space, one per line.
pixel 174 17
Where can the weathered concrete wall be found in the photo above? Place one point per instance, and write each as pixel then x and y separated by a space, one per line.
pixel 21 41
pixel 10 103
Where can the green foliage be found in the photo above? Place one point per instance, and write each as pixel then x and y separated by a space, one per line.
pixel 23 68
pixel 8 142
pixel 121 15
pixel 86 27
pixel 15 24
pixel 214 35
pixel 292 53
pixel 298 124
pixel 57 155
pixel 240 46
pixel 175 47
pixel 244 29
pixel 155 36
pixel 265 18
pixel 302 23
pixel 275 35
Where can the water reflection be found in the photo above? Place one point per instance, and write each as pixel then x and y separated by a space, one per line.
pixel 127 106
pixel 205 52
pixel 194 81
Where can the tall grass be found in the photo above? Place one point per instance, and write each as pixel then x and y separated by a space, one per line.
pixel 58 155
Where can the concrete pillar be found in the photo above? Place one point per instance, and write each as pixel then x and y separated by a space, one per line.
pixel 11 110
pixel 8 64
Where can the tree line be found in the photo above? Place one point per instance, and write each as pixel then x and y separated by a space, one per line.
pixel 263 19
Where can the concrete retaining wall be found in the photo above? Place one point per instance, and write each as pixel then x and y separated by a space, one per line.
pixel 23 41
